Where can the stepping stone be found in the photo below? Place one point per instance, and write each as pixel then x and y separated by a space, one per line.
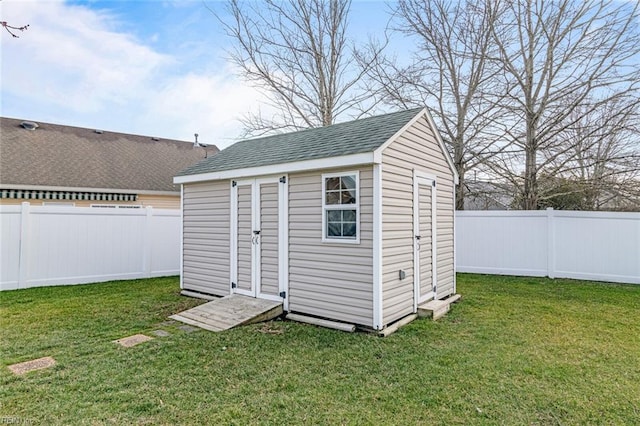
pixel 187 328
pixel 161 333
pixel 167 323
pixel 136 339
pixel 36 364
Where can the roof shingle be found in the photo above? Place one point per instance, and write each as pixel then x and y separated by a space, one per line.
pixel 63 156
pixel 353 137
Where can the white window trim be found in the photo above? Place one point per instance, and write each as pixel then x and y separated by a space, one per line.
pixel 326 239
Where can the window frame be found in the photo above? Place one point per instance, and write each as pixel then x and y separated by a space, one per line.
pixel 332 207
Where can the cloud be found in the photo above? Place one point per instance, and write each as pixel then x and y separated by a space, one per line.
pixel 208 104
pixel 75 65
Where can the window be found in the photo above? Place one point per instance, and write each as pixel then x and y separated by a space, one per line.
pixel 340 207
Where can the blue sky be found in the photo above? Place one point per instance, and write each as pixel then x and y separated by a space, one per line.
pixel 153 68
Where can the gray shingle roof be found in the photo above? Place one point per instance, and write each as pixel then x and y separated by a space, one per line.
pixel 353 137
pixel 63 156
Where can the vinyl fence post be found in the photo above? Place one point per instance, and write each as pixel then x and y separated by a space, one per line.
pixel 147 244
pixel 551 243
pixel 23 259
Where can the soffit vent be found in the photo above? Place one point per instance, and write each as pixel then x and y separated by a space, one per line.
pixel 29 125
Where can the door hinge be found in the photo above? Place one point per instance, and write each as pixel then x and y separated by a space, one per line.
pixel 234 183
pixel 433 183
pixel 234 285
pixel 283 179
pixel 283 294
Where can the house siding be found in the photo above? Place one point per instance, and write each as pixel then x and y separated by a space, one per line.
pixel 269 273
pixel 417 148
pixel 332 280
pixel 206 229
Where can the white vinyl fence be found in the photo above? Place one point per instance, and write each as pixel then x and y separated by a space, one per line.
pixel 601 246
pixel 51 245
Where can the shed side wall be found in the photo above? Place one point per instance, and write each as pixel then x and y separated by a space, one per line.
pixel 417 148
pixel 206 218
pixel 330 280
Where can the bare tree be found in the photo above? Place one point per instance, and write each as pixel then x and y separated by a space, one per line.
pixel 602 165
pixel 299 53
pixel 8 27
pixel 562 61
pixel 449 72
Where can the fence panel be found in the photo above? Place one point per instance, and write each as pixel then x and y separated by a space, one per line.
pixel 52 245
pixel 602 246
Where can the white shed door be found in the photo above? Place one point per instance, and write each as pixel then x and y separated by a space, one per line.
pixel 424 227
pixel 257 264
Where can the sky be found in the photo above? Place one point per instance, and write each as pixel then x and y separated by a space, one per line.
pixel 153 68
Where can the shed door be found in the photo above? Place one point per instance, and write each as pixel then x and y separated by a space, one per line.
pixel 258 240
pixel 424 227
pixel 245 240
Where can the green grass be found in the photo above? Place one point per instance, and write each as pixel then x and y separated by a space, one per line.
pixel 513 351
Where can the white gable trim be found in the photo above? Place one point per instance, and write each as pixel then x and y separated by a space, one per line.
pixel 377 154
pixel 298 166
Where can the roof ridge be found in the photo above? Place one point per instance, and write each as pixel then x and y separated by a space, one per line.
pixel 93 129
pixel 342 123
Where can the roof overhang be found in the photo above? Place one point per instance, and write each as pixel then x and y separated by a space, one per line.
pixel 82 189
pixel 298 166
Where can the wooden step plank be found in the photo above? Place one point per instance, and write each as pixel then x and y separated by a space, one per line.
pixel 436 309
pixel 220 322
pixel 195 323
pixel 230 311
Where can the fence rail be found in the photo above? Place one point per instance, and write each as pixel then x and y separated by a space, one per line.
pixel 51 245
pixel 600 246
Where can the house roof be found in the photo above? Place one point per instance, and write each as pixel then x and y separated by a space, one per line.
pixel 353 137
pixel 55 155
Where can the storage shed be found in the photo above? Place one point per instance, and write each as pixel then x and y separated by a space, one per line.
pixel 352 222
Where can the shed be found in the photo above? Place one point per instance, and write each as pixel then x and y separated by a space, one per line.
pixel 352 222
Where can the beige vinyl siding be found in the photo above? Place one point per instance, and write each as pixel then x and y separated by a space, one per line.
pixel 144 200
pixel 160 201
pixel 269 277
pixel 333 280
pixel 417 148
pixel 426 240
pixel 206 229
pixel 245 235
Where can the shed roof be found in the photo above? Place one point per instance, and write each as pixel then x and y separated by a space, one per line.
pixel 352 137
pixel 56 155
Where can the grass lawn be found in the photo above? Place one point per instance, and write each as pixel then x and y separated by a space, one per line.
pixel 513 351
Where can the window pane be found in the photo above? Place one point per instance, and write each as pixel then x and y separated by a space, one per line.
pixel 348 182
pixel 332 183
pixel 333 197
pixel 333 229
pixel 334 216
pixel 348 197
pixel 349 229
pixel 349 215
